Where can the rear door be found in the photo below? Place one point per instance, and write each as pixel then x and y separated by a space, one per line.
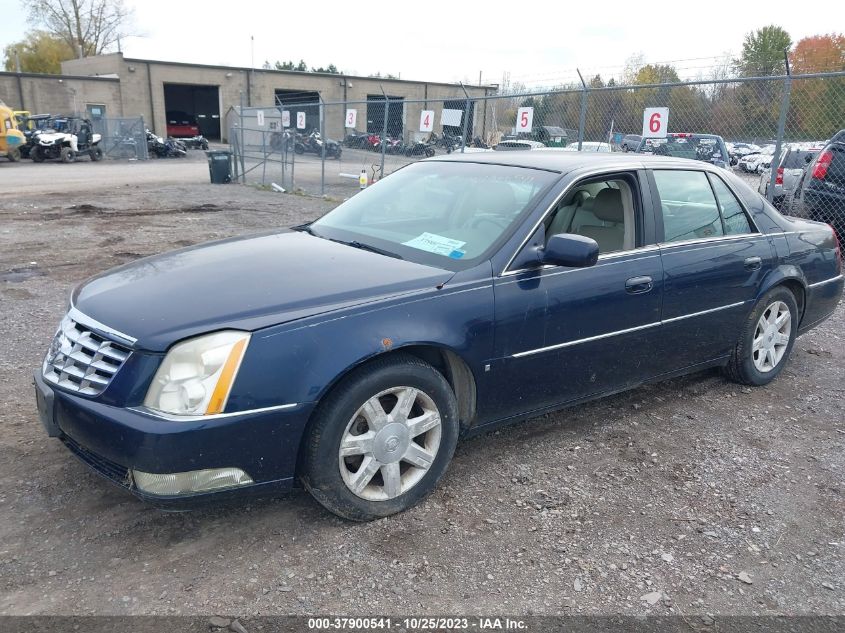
pixel 714 261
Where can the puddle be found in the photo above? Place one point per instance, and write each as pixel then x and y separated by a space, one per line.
pixel 19 275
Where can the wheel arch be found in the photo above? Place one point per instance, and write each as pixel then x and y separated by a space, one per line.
pixel 792 278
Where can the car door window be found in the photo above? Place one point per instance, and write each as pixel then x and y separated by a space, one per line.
pixel 735 220
pixel 688 205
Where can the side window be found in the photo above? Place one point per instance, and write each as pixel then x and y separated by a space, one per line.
pixel 689 208
pixel 736 222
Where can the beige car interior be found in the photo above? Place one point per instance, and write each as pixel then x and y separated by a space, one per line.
pixel 603 211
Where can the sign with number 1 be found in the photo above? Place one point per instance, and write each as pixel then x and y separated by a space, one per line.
pixel 351 118
pixel 524 119
pixel 259 115
pixel 655 122
pixel 300 120
pixel 427 121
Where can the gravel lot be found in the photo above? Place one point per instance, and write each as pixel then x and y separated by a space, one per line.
pixel 692 496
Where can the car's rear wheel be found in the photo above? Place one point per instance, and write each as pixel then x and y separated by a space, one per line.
pixel 381 440
pixel 96 153
pixel 766 340
pixel 36 155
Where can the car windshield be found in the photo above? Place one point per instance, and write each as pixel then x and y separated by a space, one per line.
pixel 707 148
pixel 445 214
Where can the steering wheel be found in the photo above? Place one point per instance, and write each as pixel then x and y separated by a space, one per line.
pixel 496 220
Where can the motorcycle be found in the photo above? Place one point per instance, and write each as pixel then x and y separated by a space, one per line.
pixel 357 140
pixel 420 148
pixel 165 148
pixel 195 142
pixel 313 143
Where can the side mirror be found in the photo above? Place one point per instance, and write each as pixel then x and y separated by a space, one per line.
pixel 567 249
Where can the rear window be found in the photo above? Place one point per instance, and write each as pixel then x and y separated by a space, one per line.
pixel 797 159
pixel 706 148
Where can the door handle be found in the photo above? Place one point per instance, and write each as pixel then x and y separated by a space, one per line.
pixel 637 285
pixel 753 263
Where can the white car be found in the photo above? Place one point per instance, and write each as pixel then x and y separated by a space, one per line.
pixel 755 163
pixel 587 146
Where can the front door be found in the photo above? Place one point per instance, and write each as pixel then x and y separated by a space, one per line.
pixel 714 260
pixel 563 334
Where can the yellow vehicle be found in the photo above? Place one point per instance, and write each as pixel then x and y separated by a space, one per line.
pixel 11 138
pixel 21 117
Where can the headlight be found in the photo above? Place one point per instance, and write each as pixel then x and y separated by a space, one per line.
pixel 196 375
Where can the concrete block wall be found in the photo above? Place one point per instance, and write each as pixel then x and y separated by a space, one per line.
pixel 59 94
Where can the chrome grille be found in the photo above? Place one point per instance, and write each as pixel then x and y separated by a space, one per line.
pixel 81 360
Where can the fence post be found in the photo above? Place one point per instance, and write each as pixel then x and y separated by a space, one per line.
pixel 242 147
pixel 784 108
pixel 145 155
pixel 322 147
pixel 582 119
pixel 384 132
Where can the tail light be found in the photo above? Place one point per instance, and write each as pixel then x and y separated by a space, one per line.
pixel 838 248
pixel 779 177
pixel 820 170
pixel 681 134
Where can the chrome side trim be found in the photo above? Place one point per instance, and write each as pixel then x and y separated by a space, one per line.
pixel 826 281
pixel 695 314
pixel 710 240
pixel 602 258
pixel 540 350
pixel 584 340
pixel 93 324
pixel 172 417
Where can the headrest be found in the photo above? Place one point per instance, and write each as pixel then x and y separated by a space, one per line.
pixel 608 206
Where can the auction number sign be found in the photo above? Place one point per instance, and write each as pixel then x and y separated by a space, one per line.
pixel 524 119
pixel 655 122
pixel 351 118
pixel 300 120
pixel 427 121
pixel 259 115
pixel 285 118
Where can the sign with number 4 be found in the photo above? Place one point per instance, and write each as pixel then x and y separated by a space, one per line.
pixel 300 120
pixel 655 122
pixel 524 119
pixel 351 118
pixel 427 121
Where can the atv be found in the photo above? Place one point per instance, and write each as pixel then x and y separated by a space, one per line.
pixel 67 140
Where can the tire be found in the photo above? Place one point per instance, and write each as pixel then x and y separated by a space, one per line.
pixel 429 152
pixel 341 418
pixel 751 366
pixel 299 149
pixel 67 155
pixel 14 155
pixel 36 155
pixel 96 154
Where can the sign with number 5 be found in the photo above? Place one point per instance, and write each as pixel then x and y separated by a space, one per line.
pixel 524 119
pixel 427 121
pixel 655 122
pixel 351 118
pixel 300 120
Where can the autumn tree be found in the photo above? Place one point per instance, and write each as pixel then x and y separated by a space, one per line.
pixel 819 54
pixel 88 27
pixel 816 104
pixel 41 52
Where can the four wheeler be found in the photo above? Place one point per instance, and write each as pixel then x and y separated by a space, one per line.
pixel 68 139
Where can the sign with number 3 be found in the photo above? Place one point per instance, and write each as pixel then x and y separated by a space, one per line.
pixel 524 119
pixel 351 118
pixel 426 120
pixel 655 122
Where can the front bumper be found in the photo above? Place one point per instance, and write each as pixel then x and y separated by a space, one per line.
pixel 113 441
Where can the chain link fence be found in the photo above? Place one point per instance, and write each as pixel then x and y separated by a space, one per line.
pixel 122 138
pixel 769 130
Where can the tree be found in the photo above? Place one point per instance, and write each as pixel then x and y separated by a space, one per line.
pixel 331 69
pixel 762 52
pixel 819 54
pixel 88 27
pixel 40 52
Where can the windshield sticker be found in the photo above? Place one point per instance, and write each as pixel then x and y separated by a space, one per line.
pixel 456 254
pixel 437 244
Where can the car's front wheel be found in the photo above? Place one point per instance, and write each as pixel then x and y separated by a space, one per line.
pixel 766 340
pixel 381 440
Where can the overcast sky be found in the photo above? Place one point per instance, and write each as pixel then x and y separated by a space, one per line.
pixel 537 43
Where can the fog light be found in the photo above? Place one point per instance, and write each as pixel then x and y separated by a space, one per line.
pixel 192 481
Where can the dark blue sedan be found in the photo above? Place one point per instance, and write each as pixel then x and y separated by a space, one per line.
pixel 459 293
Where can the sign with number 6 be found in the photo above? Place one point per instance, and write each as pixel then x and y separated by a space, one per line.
pixel 351 118
pixel 655 122
pixel 524 119
pixel 427 121
pixel 285 118
pixel 300 120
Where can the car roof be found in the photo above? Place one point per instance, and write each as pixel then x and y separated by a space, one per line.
pixel 566 162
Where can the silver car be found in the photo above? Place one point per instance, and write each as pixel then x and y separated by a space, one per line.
pixel 789 171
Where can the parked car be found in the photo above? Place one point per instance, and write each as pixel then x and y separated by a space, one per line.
pixel 517 145
pixel 181 124
pixel 821 195
pixel 588 146
pixel 67 139
pixel 755 163
pixel 790 168
pixel 709 148
pixel 630 142
pixel 455 295
pixel 738 150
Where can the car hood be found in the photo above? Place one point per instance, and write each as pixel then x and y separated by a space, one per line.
pixel 243 283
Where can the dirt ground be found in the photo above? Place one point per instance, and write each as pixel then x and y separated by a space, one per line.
pixel 693 496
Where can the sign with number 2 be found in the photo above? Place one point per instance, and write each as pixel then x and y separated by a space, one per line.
pixel 655 122
pixel 300 120
pixel 426 120
pixel 351 118
pixel 524 119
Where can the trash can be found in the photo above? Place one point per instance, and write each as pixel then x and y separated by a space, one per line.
pixel 220 166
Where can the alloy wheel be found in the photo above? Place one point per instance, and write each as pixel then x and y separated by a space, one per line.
pixel 771 336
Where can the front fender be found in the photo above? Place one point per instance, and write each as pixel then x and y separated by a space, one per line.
pixel 299 362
